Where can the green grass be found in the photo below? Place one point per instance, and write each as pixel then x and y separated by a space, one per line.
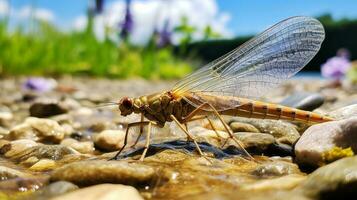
pixel 54 53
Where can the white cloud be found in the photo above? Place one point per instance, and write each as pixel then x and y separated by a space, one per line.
pixel 4 7
pixel 150 14
pixel 80 23
pixel 38 13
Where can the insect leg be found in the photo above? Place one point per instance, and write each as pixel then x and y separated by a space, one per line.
pixel 231 136
pixel 189 136
pixel 140 133
pixel 126 136
pixel 209 121
pixel 147 143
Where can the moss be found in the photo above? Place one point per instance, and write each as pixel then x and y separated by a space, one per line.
pixel 337 153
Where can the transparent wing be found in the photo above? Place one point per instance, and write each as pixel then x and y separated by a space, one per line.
pixel 258 65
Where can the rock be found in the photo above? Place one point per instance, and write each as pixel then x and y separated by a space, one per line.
pixel 100 171
pixel 8 173
pixel 46 109
pixel 344 112
pixel 82 147
pixel 337 180
pixel 15 147
pixel 255 140
pixel 54 189
pixel 23 184
pixel 5 118
pixel 43 165
pixel 103 192
pixel 284 132
pixel 243 127
pixel 44 130
pixel 276 168
pixel 304 101
pixel 53 152
pixel 326 142
pixel 285 182
pixel 110 140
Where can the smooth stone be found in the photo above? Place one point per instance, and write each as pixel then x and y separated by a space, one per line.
pixel 320 140
pixel 337 180
pixel 103 192
pixel 23 184
pixel 44 130
pixel 5 118
pixel 110 140
pixel 304 101
pixel 276 168
pixel 54 190
pixel 243 127
pixel 43 165
pixel 15 147
pixel 287 182
pixel 9 173
pixel 102 171
pixel 82 147
pixel 53 152
pixel 284 132
pixel 344 112
pixel 256 140
pixel 46 109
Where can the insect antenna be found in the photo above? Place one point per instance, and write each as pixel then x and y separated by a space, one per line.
pixel 106 104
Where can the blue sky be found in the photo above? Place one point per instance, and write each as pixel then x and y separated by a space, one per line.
pixel 245 16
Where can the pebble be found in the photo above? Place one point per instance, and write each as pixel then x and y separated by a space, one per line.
pixel 53 190
pixel 276 168
pixel 82 147
pixel 103 192
pixel 9 173
pixel 43 130
pixel 5 118
pixel 254 140
pixel 304 100
pixel 284 132
pixel 103 171
pixel 344 112
pixel 46 109
pixel 337 180
pixel 109 140
pixel 326 142
pixel 16 147
pixel 43 165
pixel 53 152
pixel 243 127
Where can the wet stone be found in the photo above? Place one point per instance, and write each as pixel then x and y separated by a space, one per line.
pixel 304 101
pixel 337 180
pixel 283 132
pixel 54 189
pixel 326 142
pixel 53 152
pixel 243 127
pixel 8 173
pixel 109 140
pixel 44 130
pixel 102 171
pixel 14 148
pixel 43 165
pixel 103 192
pixel 82 147
pixel 5 118
pixel 43 109
pixel 344 112
pixel 276 168
pixel 23 184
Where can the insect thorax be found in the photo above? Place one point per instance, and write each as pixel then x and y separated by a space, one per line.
pixel 159 107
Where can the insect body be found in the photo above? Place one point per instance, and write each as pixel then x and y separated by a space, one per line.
pixel 231 84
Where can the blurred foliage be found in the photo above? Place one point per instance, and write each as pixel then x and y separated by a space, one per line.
pixel 48 51
pixel 352 73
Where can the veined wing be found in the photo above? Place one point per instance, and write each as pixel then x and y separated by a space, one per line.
pixel 258 65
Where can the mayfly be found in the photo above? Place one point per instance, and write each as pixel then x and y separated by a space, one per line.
pixel 231 84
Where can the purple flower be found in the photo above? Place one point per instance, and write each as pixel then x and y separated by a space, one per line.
pixel 164 35
pixel 335 67
pixel 127 25
pixel 39 84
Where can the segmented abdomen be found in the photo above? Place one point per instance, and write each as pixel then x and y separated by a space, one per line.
pixel 257 109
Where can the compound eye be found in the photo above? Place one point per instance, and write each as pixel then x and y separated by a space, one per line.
pixel 127 103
